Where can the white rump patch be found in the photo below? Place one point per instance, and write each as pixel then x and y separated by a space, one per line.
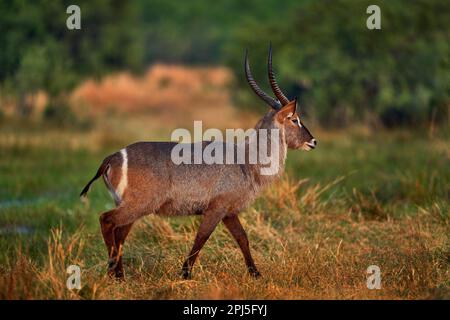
pixel 110 186
pixel 124 177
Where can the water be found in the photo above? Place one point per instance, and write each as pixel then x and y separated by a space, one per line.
pixel 11 229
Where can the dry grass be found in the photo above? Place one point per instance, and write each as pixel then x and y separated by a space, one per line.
pixel 163 86
pixel 172 94
pixel 362 198
pixel 165 96
pixel 302 255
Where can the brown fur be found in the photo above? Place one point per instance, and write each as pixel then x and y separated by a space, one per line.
pixel 219 192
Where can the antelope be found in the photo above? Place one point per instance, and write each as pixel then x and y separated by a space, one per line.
pixel 143 180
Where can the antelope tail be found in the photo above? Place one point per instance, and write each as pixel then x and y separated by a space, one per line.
pixel 100 171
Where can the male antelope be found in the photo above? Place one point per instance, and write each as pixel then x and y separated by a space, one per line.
pixel 144 180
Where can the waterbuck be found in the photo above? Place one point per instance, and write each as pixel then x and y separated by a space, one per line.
pixel 144 179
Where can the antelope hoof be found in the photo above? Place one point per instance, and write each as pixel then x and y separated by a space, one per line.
pixel 116 273
pixel 119 274
pixel 254 272
pixel 112 265
pixel 186 274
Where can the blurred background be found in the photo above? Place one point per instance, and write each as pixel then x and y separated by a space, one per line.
pixel 375 191
pixel 140 55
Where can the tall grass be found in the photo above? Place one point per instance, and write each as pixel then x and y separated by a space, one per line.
pixel 362 198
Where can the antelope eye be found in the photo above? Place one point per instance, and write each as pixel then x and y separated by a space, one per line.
pixel 295 120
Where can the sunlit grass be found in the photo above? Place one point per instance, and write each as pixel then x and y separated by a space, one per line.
pixel 361 198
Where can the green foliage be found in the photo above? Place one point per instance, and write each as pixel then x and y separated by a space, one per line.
pixel 323 51
pixel 345 72
pixel 58 114
pixel 39 52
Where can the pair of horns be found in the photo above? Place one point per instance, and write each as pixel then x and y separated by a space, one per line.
pixel 276 104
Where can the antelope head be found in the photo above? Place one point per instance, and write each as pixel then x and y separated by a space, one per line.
pixel 284 111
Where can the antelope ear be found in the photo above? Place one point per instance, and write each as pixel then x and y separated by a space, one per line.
pixel 287 111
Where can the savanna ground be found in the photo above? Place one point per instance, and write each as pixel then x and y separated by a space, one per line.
pixel 363 197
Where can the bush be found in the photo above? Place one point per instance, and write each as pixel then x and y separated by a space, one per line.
pixel 61 115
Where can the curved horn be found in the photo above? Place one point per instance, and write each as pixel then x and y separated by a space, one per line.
pixel 268 99
pixel 273 83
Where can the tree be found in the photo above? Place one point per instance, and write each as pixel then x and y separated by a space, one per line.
pixel 40 52
pixel 399 75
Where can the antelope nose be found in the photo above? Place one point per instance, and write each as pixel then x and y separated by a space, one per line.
pixel 312 144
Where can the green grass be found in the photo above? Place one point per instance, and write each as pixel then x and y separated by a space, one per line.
pixel 369 198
